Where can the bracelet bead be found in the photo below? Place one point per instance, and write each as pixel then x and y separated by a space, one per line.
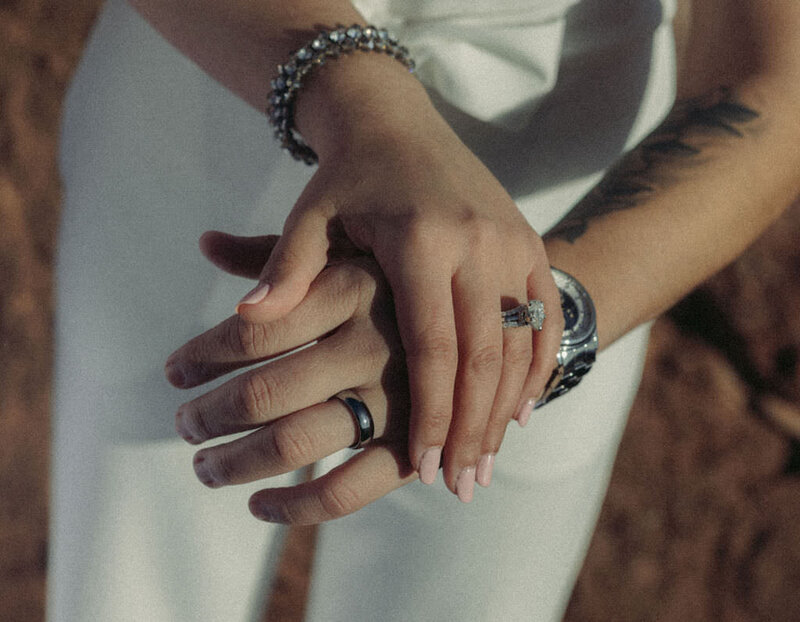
pixel 326 45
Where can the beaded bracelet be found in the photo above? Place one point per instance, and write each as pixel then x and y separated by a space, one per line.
pixel 342 40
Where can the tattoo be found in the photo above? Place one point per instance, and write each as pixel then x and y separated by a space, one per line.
pixel 675 145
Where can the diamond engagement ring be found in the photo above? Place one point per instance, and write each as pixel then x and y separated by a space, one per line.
pixel 529 314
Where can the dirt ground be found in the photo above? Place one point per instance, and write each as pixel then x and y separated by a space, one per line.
pixel 700 521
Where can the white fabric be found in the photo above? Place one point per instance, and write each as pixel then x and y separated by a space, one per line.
pixel 153 154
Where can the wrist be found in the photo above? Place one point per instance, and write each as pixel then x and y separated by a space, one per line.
pixel 356 99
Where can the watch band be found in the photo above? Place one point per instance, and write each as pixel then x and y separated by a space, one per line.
pixel 579 341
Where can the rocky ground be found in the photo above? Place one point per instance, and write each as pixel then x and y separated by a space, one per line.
pixel 700 522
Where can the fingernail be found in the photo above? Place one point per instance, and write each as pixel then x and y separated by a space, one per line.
pixel 429 465
pixel 175 375
pixel 485 467
pixel 254 296
pixel 182 427
pixel 465 484
pixel 264 512
pixel 525 411
pixel 202 471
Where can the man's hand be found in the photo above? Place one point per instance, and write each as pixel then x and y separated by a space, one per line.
pixel 349 313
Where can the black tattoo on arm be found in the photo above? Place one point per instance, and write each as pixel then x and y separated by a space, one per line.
pixel 673 147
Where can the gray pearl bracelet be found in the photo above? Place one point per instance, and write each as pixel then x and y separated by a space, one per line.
pixel 327 44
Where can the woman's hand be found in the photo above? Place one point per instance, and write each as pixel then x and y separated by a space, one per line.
pixel 397 182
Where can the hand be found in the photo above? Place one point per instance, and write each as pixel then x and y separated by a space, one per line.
pixel 349 311
pixel 455 250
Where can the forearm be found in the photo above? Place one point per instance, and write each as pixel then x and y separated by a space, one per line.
pixel 683 204
pixel 240 42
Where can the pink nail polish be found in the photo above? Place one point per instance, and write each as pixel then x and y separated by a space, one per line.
pixel 429 465
pixel 254 296
pixel 525 412
pixel 485 467
pixel 465 484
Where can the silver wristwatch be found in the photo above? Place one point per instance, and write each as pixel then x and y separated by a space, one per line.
pixel 579 340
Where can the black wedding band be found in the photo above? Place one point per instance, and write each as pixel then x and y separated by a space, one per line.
pixel 361 416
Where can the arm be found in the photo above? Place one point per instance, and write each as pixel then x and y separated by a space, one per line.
pixel 239 43
pixel 707 182
pixel 677 208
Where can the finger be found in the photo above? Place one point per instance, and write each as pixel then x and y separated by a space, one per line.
pixel 236 342
pixel 424 309
pixel 348 358
pixel 286 444
pixel 364 478
pixel 237 255
pixel 517 352
pixel 296 260
pixel 476 300
pixel 546 342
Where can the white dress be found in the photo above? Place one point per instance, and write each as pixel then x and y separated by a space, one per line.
pixel 547 93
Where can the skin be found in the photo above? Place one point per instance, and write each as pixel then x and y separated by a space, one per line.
pixel 450 241
pixel 684 203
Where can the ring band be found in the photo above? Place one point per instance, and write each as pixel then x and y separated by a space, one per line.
pixel 530 314
pixel 361 416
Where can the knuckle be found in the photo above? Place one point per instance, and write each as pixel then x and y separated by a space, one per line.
pixel 485 360
pixel 438 422
pixel 423 236
pixel 373 348
pixel 289 446
pixel 356 284
pixel 518 353
pixel 483 232
pixel 247 338
pixel 256 395
pixel 339 499
pixel 434 346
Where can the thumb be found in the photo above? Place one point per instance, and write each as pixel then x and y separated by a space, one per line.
pixel 298 257
pixel 238 255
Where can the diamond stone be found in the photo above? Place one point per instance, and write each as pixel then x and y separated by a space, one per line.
pixel 536 313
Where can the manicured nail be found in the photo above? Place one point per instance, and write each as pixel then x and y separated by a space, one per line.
pixel 465 484
pixel 254 296
pixel 202 471
pixel 429 465
pixel 525 411
pixel 484 473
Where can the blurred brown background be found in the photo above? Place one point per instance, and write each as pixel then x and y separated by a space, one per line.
pixel 702 519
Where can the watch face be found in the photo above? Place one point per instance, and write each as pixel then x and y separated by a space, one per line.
pixel 579 316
